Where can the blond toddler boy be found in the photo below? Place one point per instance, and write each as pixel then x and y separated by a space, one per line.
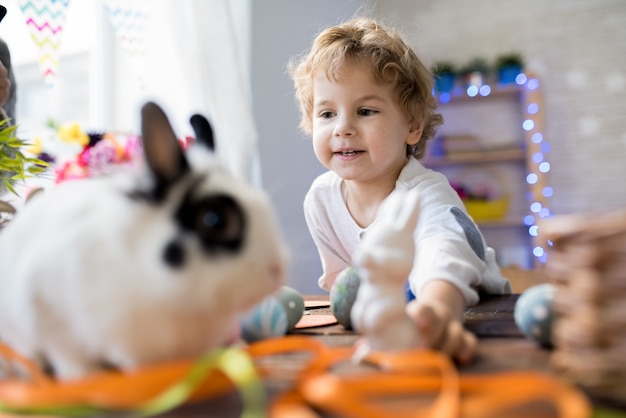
pixel 366 99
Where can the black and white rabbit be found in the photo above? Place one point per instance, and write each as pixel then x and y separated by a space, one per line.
pixel 128 270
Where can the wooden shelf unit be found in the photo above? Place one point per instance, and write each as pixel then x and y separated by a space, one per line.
pixel 526 154
pixel 477 157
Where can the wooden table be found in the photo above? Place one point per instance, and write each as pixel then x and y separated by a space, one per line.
pixel 501 348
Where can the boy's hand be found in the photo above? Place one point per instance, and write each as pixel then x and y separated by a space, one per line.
pixel 442 330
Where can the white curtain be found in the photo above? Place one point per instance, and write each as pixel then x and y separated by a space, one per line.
pixel 197 61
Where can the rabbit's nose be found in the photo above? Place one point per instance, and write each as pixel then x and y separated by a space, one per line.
pixel 278 267
pixel 277 271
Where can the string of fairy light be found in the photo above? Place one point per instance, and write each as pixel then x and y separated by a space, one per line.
pixel 538 166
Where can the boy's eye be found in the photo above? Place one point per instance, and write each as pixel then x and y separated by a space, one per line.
pixel 326 114
pixel 366 112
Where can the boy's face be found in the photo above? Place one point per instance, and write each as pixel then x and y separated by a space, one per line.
pixel 359 130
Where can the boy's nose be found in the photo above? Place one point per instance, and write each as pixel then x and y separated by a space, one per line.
pixel 344 127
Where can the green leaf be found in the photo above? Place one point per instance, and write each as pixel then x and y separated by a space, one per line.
pixel 37 161
pixel 10 188
pixel 36 169
pixel 15 166
pixel 14 143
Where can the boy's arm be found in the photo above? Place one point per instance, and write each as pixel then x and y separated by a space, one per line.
pixel 438 314
pixel 442 292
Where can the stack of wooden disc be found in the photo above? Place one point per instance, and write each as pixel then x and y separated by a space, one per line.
pixel 587 263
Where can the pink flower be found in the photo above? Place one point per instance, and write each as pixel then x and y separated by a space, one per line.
pixel 70 170
pixel 100 157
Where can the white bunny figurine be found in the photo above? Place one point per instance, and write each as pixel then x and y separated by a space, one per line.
pixel 384 260
pixel 127 270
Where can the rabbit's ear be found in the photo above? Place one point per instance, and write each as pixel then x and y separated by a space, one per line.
pixel 203 130
pixel 164 154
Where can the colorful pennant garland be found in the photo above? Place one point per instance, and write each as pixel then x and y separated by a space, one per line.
pixel 45 19
pixel 129 18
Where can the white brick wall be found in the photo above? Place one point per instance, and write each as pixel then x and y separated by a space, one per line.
pixel 577 48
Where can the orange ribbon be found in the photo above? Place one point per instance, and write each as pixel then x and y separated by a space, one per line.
pixel 419 373
pixel 415 383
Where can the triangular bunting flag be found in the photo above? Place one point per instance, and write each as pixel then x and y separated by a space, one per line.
pixel 128 18
pixel 45 19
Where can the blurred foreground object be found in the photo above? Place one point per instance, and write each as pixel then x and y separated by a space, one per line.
pixel 587 263
pixel 384 260
pixel 343 294
pixel 534 314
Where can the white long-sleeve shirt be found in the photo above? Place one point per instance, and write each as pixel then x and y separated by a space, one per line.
pixel 449 245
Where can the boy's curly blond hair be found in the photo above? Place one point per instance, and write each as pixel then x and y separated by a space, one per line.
pixel 392 61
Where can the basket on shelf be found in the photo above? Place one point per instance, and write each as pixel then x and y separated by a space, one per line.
pixel 487 210
pixel 483 192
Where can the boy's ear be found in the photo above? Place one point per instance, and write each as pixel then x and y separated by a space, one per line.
pixel 415 132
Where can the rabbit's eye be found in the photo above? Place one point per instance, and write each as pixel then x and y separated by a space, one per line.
pixel 213 219
pixel 218 221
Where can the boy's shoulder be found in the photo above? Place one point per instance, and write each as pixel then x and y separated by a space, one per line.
pixel 414 174
pixel 325 187
pixel 325 182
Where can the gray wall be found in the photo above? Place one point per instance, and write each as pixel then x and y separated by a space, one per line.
pixel 578 50
pixel 282 29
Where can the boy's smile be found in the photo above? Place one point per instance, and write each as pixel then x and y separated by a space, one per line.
pixel 347 154
pixel 359 130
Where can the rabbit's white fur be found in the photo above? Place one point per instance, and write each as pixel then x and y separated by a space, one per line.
pixel 83 282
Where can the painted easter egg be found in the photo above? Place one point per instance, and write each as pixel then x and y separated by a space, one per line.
pixel 534 315
pixel 293 304
pixel 266 320
pixel 343 294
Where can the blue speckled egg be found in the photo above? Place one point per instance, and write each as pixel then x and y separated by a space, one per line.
pixel 293 304
pixel 534 315
pixel 266 320
pixel 343 294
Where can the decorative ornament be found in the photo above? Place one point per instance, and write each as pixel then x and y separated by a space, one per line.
pixel 293 304
pixel 45 19
pixel 343 294
pixel 129 21
pixel 534 315
pixel 384 260
pixel 267 319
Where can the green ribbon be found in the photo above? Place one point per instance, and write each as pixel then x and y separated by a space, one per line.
pixel 236 364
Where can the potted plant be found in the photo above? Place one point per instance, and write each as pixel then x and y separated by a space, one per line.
pixel 509 66
pixel 14 165
pixel 475 72
pixel 445 76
